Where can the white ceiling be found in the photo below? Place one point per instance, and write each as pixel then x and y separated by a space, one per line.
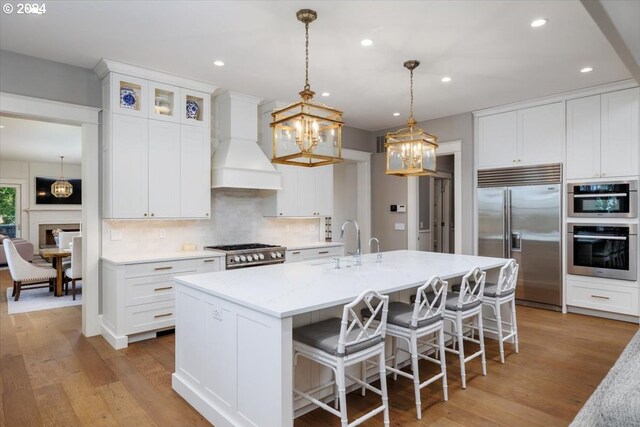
pixel 488 47
pixel 35 141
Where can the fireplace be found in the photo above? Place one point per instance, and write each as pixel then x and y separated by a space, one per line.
pixel 45 234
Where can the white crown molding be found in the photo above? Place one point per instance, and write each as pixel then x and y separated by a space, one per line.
pixel 237 96
pixel 564 96
pixel 105 66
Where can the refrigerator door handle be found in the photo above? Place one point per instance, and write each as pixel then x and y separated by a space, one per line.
pixel 507 216
pixel 516 242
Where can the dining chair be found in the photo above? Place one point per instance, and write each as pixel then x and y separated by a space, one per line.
pixel 25 274
pixel 74 272
pixel 341 343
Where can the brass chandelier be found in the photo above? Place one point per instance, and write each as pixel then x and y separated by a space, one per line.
pixel 411 151
pixel 307 133
pixel 61 188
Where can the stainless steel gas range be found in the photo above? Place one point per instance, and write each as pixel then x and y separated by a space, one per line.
pixel 250 254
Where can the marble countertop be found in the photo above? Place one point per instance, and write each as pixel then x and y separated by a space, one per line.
pixel 158 257
pixel 288 289
pixel 300 246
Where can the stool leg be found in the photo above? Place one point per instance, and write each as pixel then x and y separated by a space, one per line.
pixel 499 323
pixel 460 336
pixel 416 373
pixel 363 377
pixel 481 338
pixel 514 325
pixel 443 364
pixel 342 393
pixel 383 388
pixel 395 357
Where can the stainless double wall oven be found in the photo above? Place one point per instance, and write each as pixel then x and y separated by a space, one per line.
pixel 601 247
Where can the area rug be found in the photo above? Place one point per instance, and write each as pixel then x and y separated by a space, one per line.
pixel 41 299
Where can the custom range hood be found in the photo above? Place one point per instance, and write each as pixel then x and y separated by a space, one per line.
pixel 238 162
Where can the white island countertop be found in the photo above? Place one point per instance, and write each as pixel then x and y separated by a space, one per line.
pixel 288 289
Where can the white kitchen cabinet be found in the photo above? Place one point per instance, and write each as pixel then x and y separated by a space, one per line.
pixel 195 176
pixel 603 136
pixel 164 176
pixel 307 254
pixel 620 137
pixel 305 192
pixel 138 298
pixel 620 298
pixel 529 136
pixel 498 140
pixel 155 165
pixel 129 173
pixel 583 137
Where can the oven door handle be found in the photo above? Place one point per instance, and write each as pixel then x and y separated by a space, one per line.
pixel 594 236
pixel 587 196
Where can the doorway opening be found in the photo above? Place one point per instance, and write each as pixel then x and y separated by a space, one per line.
pixel 436 230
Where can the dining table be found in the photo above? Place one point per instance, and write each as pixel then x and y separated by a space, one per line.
pixel 55 255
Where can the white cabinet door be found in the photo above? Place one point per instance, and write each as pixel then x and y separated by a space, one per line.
pixel 583 138
pixel 164 169
pixel 130 167
pixel 324 190
pixel 541 134
pixel 620 138
pixel 195 172
pixel 306 191
pixel 498 140
pixel 286 200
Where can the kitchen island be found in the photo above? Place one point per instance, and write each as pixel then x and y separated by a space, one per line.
pixel 234 328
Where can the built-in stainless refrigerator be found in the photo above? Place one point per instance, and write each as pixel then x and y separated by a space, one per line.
pixel 519 216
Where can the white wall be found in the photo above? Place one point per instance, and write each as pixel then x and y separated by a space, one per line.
pixel 236 217
pixel 345 203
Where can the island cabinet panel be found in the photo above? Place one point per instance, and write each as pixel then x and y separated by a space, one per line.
pixel 139 298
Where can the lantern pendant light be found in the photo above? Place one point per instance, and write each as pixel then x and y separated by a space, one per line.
pixel 61 188
pixel 307 133
pixel 411 151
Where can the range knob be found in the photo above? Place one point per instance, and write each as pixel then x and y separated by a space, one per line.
pixel 278 254
pixel 236 258
pixel 261 256
pixel 273 254
pixel 255 257
pixel 243 258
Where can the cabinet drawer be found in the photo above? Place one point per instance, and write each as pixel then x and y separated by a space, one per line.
pixel 293 256
pixel 208 265
pixel 144 290
pixel 161 268
pixel 616 299
pixel 147 317
pixel 324 252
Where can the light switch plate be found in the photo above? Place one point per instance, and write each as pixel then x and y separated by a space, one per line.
pixel 402 208
pixel 399 226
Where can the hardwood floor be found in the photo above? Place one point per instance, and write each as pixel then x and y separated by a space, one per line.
pixel 51 375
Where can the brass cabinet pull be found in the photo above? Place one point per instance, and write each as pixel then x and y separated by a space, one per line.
pixel 295 253
pixel 599 297
pixel 162 268
pixel 209 260
pixel 163 289
pixel 163 315
pixel 323 252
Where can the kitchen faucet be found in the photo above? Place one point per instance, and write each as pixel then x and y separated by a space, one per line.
pixel 358 252
pixel 379 256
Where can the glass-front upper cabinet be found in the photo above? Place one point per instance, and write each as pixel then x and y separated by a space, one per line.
pixel 129 95
pixel 195 108
pixel 163 102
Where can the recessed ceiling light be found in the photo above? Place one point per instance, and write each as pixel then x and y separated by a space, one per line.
pixel 586 70
pixel 396 114
pixel 218 63
pixel 539 22
pixel 445 79
pixel 325 94
pixel 366 42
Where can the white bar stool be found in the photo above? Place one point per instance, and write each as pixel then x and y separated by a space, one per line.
pixel 503 292
pixel 410 322
pixel 340 343
pixel 463 305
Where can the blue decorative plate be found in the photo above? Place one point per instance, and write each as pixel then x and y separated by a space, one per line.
pixel 192 109
pixel 127 98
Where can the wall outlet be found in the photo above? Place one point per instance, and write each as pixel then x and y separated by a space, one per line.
pixel 162 233
pixel 402 208
pixel 116 235
pixel 399 226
